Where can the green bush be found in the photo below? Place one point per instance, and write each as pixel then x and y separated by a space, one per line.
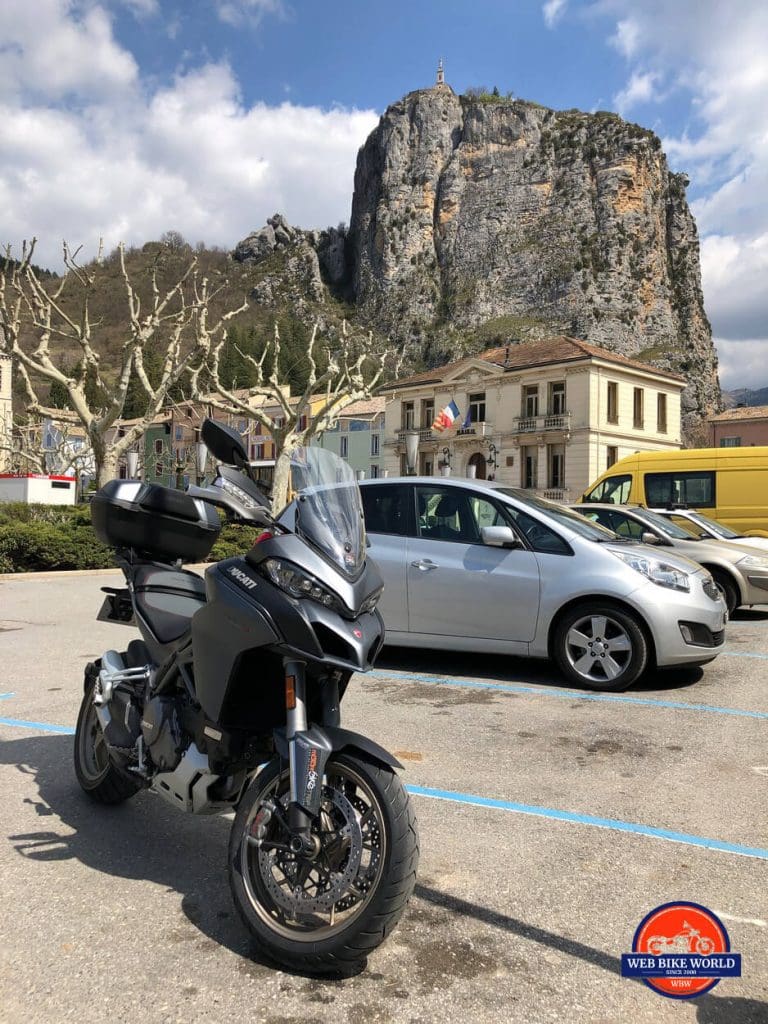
pixel 40 538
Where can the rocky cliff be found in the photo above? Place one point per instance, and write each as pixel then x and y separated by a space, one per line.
pixel 476 221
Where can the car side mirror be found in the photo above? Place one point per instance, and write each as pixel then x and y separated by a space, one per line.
pixel 499 537
pixel 650 538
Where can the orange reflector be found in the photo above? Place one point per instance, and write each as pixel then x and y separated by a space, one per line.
pixel 290 692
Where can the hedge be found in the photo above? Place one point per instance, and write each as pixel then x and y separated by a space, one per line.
pixel 40 538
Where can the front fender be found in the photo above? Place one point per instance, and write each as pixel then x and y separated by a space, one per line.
pixel 343 739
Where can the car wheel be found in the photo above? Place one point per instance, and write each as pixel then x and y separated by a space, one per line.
pixel 599 646
pixel 727 588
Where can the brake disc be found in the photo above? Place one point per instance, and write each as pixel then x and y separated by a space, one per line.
pixel 293 897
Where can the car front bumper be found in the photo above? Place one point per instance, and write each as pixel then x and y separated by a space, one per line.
pixel 665 610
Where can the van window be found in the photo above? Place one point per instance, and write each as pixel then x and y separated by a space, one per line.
pixel 694 488
pixel 614 489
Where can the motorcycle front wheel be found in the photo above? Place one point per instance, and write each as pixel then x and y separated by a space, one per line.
pixel 325 914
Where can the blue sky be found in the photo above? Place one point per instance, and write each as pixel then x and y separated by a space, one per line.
pixel 126 118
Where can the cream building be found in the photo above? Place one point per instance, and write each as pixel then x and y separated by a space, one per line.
pixel 548 416
pixel 6 414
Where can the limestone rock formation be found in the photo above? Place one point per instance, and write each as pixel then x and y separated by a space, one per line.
pixel 476 221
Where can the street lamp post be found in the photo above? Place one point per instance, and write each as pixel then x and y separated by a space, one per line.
pixel 200 462
pixel 411 450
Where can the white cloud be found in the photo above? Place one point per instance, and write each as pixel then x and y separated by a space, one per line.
pixel 714 56
pixel 742 363
pixel 128 163
pixel 553 11
pixel 251 12
pixel 641 88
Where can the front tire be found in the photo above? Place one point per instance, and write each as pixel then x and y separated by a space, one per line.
pixel 599 646
pixel 327 915
pixel 95 771
pixel 727 588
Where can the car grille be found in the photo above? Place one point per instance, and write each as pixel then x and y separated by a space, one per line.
pixel 710 589
pixel 718 638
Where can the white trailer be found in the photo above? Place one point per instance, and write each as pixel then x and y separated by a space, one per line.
pixel 36 489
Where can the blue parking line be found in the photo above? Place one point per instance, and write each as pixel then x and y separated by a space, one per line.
pixel 588 819
pixel 743 654
pixel 566 694
pixel 18 723
pixel 4 696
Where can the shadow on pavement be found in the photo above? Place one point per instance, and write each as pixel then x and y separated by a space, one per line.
pixel 508 669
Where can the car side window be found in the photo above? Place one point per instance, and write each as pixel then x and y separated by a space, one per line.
pixel 445 513
pixel 626 527
pixel 540 537
pixel 385 507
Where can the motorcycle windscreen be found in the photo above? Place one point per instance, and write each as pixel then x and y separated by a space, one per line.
pixel 329 510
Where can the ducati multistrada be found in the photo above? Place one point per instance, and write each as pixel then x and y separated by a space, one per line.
pixel 231 700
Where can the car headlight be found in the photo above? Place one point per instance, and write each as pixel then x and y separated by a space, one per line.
pixel 655 570
pixel 294 581
pixel 753 562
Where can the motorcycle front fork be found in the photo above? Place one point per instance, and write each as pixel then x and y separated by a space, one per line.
pixel 308 753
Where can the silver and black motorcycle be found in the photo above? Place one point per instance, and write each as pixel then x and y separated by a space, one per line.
pixel 231 700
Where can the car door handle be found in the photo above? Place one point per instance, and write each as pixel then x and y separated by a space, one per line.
pixel 425 564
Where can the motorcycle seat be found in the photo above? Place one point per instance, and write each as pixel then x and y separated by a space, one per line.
pixel 167 599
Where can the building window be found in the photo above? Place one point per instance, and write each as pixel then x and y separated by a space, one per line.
pixel 556 466
pixel 374 474
pixel 406 421
pixel 159 470
pixel 178 433
pixel 612 456
pixel 343 446
pixel 303 421
pixel 661 413
pixel 427 414
pixel 557 398
pixel 477 407
pixel 613 402
pixel 241 425
pixel 375 444
pixel 638 408
pixel 529 466
pixel 158 447
pixel 730 442
pixel 531 400
pixel 279 422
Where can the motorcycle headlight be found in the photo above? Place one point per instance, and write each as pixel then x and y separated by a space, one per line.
pixel 753 562
pixel 655 570
pixel 369 604
pixel 294 581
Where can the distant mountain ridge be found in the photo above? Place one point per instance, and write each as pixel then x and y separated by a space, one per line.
pixel 745 396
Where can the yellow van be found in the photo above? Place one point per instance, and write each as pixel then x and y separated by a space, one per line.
pixel 728 484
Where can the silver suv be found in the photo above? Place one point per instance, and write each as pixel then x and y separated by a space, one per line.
pixel 469 565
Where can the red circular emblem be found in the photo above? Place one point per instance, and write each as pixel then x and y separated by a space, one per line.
pixel 680 928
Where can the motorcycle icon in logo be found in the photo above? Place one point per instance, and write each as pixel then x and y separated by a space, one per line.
pixel 687 940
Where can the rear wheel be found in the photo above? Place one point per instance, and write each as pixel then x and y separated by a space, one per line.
pixel 94 768
pixel 326 913
pixel 601 647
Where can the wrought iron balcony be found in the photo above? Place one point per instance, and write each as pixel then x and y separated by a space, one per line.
pixel 560 421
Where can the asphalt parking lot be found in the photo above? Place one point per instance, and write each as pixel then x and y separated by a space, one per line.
pixel 552 821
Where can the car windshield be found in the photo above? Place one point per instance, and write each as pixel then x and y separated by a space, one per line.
pixel 662 523
pixel 564 516
pixel 329 510
pixel 711 526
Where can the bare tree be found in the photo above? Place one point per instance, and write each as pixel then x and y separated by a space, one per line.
pixel 353 368
pixel 33 315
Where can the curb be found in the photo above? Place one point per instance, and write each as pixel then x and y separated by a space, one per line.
pixel 68 573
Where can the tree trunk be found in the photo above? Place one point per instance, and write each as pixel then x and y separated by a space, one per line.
pixel 281 482
pixel 106 464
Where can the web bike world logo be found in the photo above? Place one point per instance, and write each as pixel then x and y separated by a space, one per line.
pixel 681 950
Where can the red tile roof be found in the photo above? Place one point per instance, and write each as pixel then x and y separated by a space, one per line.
pixel 747 412
pixel 558 349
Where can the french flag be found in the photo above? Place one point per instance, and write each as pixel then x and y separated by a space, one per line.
pixel 446 417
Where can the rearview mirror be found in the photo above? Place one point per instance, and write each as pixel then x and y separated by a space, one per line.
pixel 499 537
pixel 649 538
pixel 224 443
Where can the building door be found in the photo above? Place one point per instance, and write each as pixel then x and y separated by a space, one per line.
pixel 530 458
pixel 478 461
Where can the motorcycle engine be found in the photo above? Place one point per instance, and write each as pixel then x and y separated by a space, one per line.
pixel 162 732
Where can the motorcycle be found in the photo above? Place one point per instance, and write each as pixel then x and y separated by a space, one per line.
pixel 687 940
pixel 231 700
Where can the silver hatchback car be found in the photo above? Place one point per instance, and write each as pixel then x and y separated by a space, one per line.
pixel 469 565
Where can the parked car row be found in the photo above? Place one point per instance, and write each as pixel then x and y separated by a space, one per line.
pixel 471 565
